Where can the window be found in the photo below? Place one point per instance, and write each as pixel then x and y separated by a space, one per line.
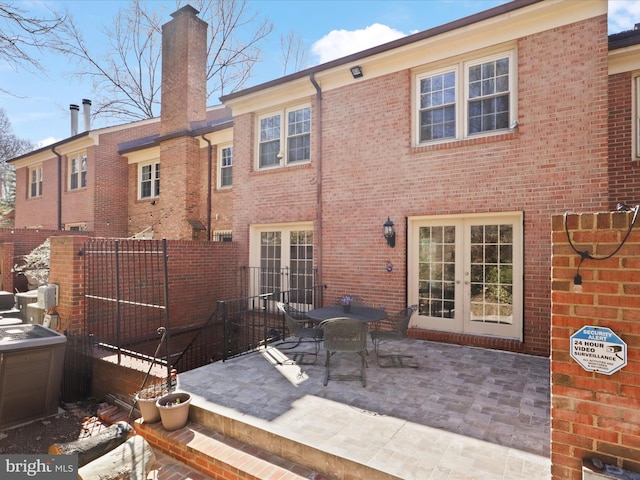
pixel 35 181
pixel 76 227
pixel 637 116
pixel 295 136
pixel 149 175
pixel 484 100
pixel 225 167
pixel 78 172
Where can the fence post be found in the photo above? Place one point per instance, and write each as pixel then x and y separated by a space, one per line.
pixel 66 271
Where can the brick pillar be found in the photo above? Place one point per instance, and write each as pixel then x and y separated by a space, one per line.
pixel 184 97
pixel 184 71
pixel 595 415
pixel 7 257
pixel 66 271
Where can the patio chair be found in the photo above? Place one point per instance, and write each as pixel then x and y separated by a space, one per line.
pixel 344 335
pixel 355 301
pixel 393 328
pixel 298 326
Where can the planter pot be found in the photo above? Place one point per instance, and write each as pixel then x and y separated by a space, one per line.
pixel 149 410
pixel 147 399
pixel 174 410
pixel 346 308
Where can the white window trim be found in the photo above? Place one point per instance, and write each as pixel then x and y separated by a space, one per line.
pixel 636 117
pixel 141 165
pixel 220 166
pixel 282 156
pixel 79 157
pixel 77 226
pixel 461 69
pixel 39 180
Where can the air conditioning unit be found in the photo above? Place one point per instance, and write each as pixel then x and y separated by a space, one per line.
pixel 47 296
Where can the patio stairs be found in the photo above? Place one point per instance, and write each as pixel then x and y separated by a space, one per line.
pixel 224 447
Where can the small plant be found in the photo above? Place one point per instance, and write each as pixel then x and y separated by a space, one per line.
pixel 156 390
pixel 346 300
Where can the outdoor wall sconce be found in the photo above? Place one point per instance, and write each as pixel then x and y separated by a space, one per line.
pixel 389 232
pixel 356 71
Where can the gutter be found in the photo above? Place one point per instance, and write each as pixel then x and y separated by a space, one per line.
pixel 318 233
pixel 53 149
pixel 209 185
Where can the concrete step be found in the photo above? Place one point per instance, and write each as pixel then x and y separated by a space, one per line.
pixel 221 457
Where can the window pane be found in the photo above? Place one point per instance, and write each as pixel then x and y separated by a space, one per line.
pixel 488 94
pixel 299 135
pixel 437 107
pixel 269 153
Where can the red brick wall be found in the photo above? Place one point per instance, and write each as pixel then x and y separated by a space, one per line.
pixel 200 274
pixel 624 179
pixel 554 162
pixel 595 415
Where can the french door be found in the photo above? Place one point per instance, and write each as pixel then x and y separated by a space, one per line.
pixel 465 273
pixel 284 255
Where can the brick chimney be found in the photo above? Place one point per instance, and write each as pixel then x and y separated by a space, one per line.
pixel 184 97
pixel 184 70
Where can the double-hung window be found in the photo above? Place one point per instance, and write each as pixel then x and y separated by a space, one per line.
pixel 149 175
pixel 466 99
pixel 225 167
pixel 35 181
pixel 284 137
pixel 78 172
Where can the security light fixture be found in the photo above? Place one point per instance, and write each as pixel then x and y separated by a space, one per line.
pixel 389 232
pixel 356 71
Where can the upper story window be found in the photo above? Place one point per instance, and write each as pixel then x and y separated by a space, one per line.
pixel 35 181
pixel 284 137
pixel 225 167
pixel 483 102
pixel 78 172
pixel 149 180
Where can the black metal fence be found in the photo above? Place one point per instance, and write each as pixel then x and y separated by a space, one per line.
pixel 126 293
pixel 76 380
pixel 241 325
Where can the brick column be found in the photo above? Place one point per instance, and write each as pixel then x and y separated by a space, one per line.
pixel 66 271
pixel 595 415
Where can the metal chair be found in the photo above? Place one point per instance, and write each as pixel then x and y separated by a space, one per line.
pixel 344 335
pixel 393 328
pixel 297 324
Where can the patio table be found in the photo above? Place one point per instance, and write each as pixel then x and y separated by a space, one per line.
pixel 364 314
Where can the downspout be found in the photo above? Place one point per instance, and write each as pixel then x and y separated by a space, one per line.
pixel 53 149
pixel 209 185
pixel 318 231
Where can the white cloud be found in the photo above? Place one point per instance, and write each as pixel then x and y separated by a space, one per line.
pixel 45 142
pixel 339 43
pixel 623 15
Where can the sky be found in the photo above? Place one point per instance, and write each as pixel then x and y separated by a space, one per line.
pixel 38 107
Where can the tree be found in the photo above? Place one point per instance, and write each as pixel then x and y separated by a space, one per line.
pixel 127 78
pixel 10 147
pixel 293 52
pixel 22 36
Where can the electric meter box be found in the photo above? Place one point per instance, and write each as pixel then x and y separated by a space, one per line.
pixel 47 296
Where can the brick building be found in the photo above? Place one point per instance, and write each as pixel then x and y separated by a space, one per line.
pixel 468 137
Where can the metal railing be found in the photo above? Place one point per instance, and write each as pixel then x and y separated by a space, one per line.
pixel 240 325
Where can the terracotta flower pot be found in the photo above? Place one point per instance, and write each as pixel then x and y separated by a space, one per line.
pixel 147 399
pixel 174 410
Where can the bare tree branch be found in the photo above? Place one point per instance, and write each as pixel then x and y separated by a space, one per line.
pixel 10 147
pixel 23 37
pixel 293 52
pixel 127 78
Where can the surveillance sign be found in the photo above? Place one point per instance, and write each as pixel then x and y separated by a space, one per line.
pixel 598 349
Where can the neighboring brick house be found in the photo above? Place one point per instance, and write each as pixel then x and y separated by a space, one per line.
pixel 106 180
pixel 469 137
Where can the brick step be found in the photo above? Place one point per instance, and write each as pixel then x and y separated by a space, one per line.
pixel 219 456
